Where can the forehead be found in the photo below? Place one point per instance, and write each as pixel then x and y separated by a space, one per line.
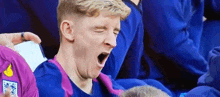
pixel 104 18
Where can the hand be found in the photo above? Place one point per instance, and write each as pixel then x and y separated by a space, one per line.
pixel 8 93
pixel 11 39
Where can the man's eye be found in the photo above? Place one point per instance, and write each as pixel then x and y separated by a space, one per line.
pixel 116 33
pixel 99 31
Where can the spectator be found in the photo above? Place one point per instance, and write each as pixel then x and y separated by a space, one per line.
pixel 15 72
pixel 208 84
pixel 88 31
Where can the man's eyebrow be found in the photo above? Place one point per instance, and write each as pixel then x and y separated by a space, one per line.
pixel 117 29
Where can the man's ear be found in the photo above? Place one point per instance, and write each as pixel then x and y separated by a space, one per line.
pixel 66 28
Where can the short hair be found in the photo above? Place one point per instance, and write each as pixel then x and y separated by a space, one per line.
pixel 91 8
pixel 144 91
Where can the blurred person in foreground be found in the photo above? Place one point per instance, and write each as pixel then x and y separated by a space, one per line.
pixel 16 76
pixel 144 91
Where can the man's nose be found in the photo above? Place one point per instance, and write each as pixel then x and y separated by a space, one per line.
pixel 110 40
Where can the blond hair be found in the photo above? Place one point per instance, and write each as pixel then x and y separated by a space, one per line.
pixel 91 8
pixel 144 91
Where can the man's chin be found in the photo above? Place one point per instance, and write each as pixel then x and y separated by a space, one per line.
pixel 95 75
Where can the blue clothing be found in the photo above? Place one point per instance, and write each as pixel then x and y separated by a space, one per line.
pixel 211 30
pixel 173 29
pixel 52 81
pixel 210 37
pixel 203 91
pixel 211 77
pixel 98 91
pixel 208 84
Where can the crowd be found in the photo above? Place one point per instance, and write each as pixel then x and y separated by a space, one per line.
pixel 104 47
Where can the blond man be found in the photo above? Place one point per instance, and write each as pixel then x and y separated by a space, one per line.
pixel 88 31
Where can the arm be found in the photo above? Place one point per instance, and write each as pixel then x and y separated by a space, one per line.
pixel 174 30
pixel 29 88
pixel 49 80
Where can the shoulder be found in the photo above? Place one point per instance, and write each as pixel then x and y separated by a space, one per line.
pixel 110 84
pixel 50 85
pixel 47 68
pixel 47 74
pixel 17 61
pixel 16 70
pixel 49 80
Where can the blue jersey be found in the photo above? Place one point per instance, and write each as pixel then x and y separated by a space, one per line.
pixel 52 81
pixel 203 91
pixel 173 29
pixel 210 36
pixel 208 84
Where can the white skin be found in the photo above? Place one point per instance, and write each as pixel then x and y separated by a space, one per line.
pixel 83 39
pixel 11 39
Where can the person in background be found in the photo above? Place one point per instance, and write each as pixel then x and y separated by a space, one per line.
pixel 208 83
pixel 173 31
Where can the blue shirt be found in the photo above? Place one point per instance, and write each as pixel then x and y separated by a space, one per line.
pixel 52 81
pixel 173 29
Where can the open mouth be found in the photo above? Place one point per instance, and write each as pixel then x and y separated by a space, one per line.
pixel 102 57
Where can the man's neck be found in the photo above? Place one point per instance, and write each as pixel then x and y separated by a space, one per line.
pixel 66 60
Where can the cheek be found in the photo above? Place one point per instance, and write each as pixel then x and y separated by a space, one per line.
pixel 81 52
pixel 82 48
